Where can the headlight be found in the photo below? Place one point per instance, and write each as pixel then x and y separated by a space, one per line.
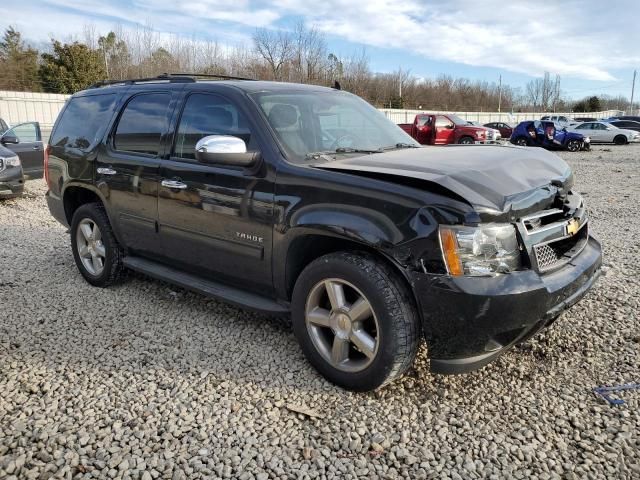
pixel 12 161
pixel 587 139
pixel 487 249
pixel 480 133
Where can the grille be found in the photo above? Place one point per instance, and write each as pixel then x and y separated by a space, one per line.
pixel 1 164
pixel 555 254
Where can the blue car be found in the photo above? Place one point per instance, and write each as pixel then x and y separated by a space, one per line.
pixel 538 133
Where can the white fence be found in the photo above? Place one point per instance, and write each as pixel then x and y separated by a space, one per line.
pixel 407 116
pixel 17 107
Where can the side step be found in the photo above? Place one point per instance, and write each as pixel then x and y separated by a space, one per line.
pixel 205 287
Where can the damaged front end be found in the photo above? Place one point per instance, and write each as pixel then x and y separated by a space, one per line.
pixel 497 282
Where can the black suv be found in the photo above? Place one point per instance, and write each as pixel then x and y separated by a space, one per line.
pixel 306 200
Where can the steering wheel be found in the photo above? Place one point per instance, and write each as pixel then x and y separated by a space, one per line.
pixel 338 141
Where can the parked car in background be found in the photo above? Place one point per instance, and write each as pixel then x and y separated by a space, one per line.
pixel 629 117
pixel 496 133
pixel 538 133
pixel 11 176
pixel 626 124
pixel 504 128
pixel 25 140
pixel 4 126
pixel 560 120
pixel 603 132
pixel 585 119
pixel 441 129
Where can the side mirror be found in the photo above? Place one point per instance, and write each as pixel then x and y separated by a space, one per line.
pixel 9 140
pixel 451 126
pixel 225 150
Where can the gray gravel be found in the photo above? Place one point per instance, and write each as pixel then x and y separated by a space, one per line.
pixel 148 381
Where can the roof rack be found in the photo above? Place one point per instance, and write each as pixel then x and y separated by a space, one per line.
pixel 209 75
pixel 167 78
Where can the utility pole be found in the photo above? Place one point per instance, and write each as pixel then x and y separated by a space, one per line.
pixel 500 93
pixel 633 87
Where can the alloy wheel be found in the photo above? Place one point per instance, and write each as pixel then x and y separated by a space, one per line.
pixel 91 250
pixel 342 325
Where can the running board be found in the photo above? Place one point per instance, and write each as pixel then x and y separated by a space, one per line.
pixel 205 287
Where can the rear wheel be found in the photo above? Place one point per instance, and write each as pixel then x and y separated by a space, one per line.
pixel 355 320
pixel 95 249
pixel 620 140
pixel 522 142
pixel 466 141
pixel 573 145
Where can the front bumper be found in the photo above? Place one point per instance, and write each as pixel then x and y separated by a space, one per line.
pixel 470 321
pixel 11 182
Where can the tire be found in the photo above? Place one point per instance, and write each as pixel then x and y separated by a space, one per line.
pixel 100 242
pixel 466 141
pixel 521 142
pixel 391 323
pixel 573 145
pixel 620 140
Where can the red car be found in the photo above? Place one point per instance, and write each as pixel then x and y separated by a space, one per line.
pixel 441 129
pixel 504 128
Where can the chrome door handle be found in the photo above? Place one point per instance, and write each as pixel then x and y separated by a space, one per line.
pixel 106 171
pixel 174 184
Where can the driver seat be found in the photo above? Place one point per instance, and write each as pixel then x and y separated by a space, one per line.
pixel 284 119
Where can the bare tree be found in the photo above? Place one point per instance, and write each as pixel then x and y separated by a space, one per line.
pixel 275 47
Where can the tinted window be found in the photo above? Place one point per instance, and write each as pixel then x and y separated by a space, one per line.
pixel 206 114
pixel 83 121
pixel 142 124
pixel 598 126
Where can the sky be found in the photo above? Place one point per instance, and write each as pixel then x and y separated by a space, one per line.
pixel 592 44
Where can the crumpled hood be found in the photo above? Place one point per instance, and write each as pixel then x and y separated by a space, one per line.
pixel 488 177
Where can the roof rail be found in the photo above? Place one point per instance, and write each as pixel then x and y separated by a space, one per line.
pixel 209 75
pixel 160 78
pixel 168 77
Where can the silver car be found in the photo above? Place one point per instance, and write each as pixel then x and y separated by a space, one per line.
pixel 603 132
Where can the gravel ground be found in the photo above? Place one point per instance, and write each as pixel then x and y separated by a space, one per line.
pixel 148 381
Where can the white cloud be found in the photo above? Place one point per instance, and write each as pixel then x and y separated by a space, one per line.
pixel 573 38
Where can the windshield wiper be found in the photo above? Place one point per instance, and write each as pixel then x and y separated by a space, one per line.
pixel 343 150
pixel 400 145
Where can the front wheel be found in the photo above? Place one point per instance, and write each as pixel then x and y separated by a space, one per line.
pixel 466 141
pixel 96 251
pixel 522 142
pixel 620 140
pixel 573 145
pixel 355 320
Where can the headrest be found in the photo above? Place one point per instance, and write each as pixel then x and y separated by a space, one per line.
pixel 283 116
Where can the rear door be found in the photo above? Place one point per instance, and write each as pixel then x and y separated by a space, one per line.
pixel 128 168
pixel 445 130
pixel 217 220
pixel 29 147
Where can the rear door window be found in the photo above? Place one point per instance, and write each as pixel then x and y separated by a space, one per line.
pixel 83 122
pixel 142 124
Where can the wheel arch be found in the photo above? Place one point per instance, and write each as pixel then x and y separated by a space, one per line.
pixel 76 195
pixel 311 245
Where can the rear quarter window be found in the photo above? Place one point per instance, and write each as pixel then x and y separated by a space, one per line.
pixel 83 122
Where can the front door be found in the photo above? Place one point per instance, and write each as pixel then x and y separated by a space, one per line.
pixel 29 147
pixel 216 220
pixel 445 130
pixel 128 168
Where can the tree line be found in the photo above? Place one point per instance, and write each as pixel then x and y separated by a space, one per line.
pixel 297 55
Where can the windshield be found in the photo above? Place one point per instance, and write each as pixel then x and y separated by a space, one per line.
pixel 458 121
pixel 325 122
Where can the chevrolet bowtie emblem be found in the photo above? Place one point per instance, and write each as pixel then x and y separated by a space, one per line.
pixel 573 226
